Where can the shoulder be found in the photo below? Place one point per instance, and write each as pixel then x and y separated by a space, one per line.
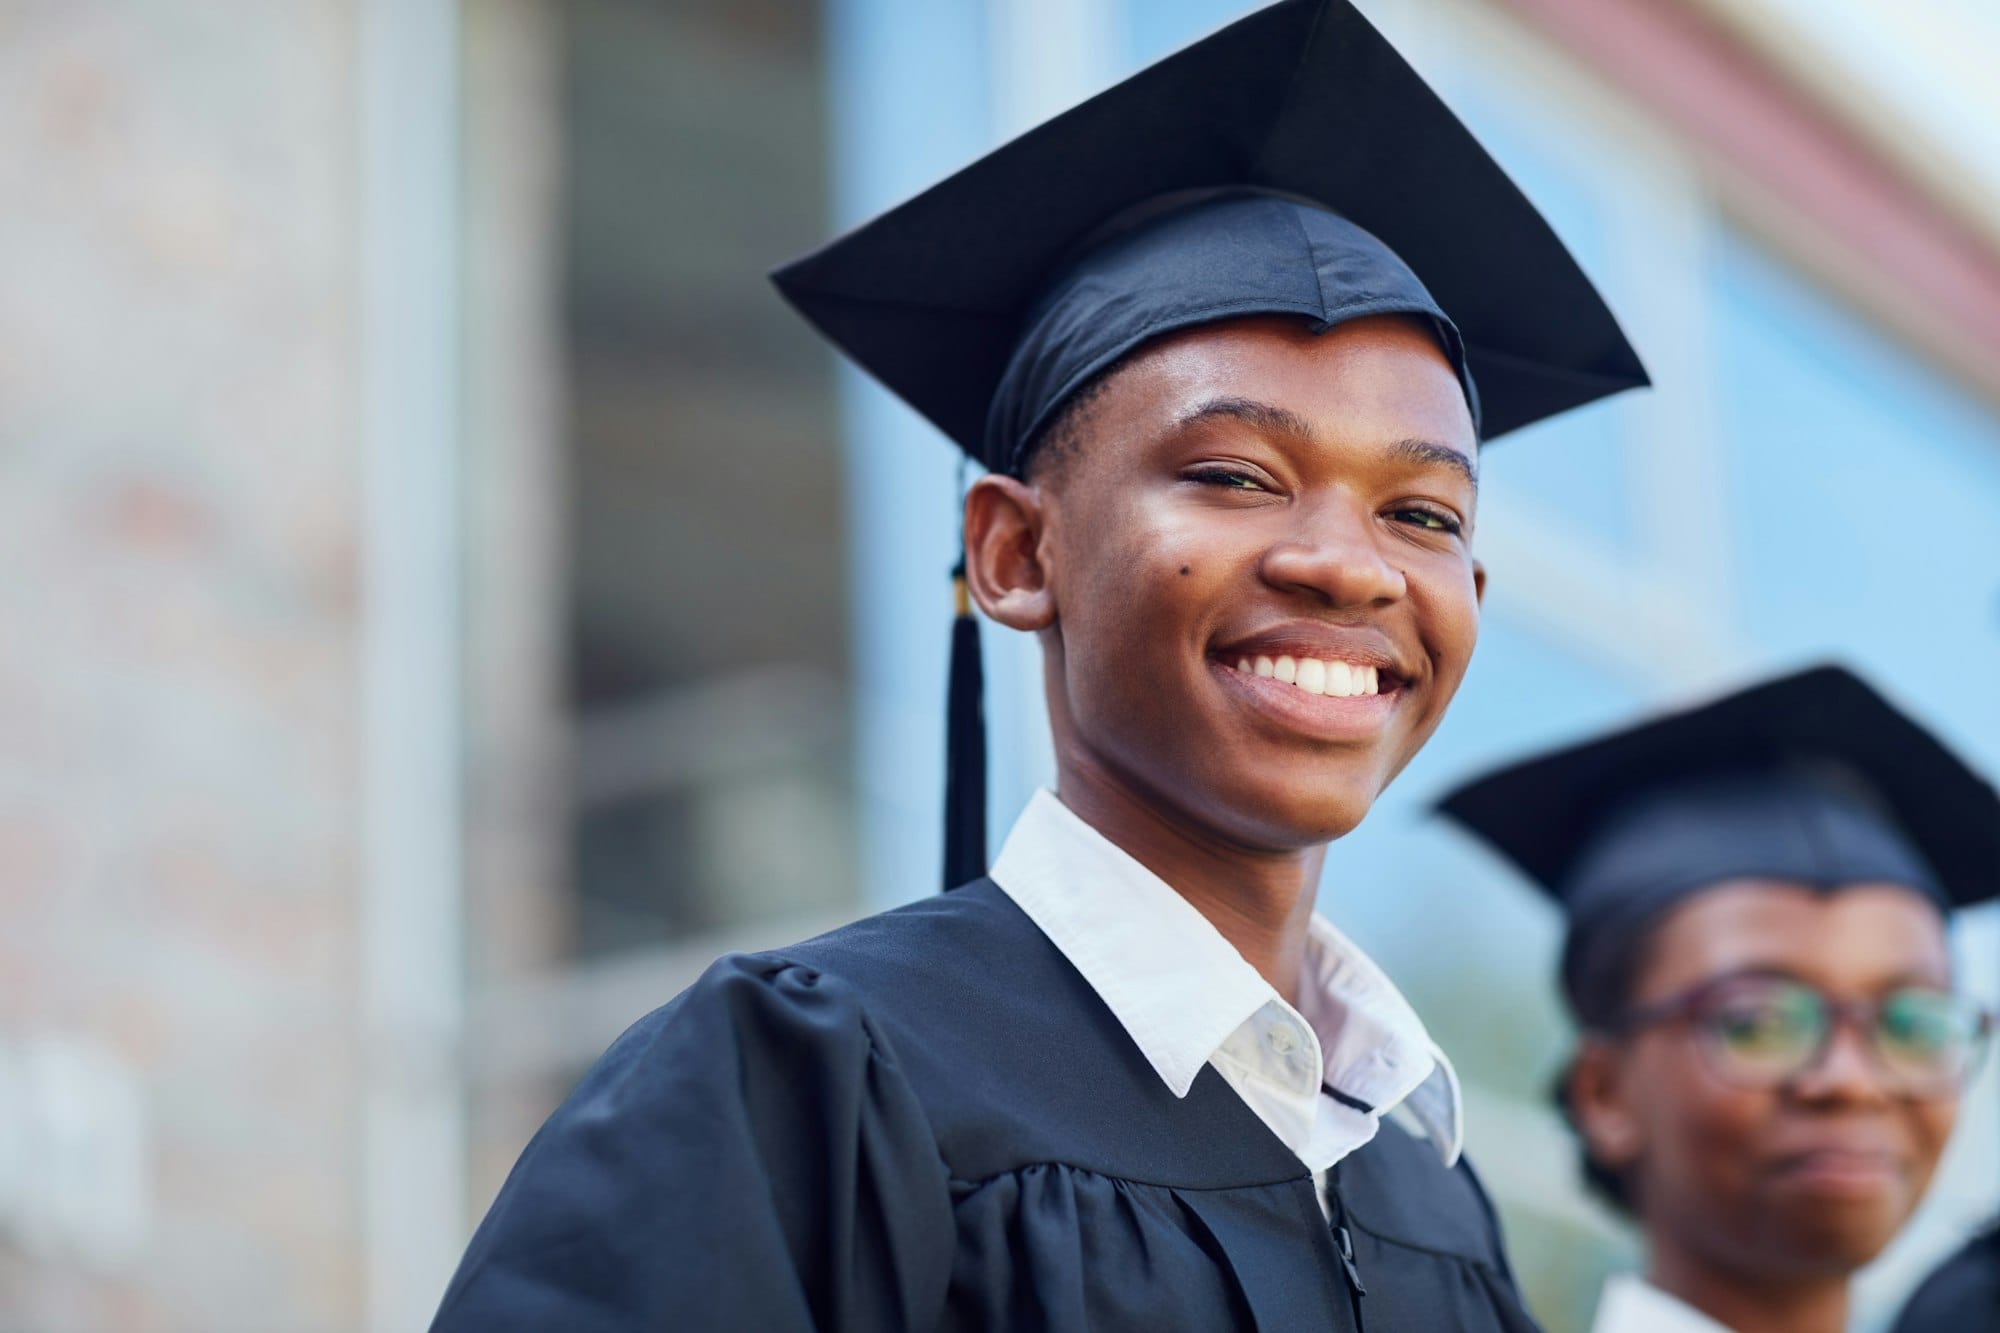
pixel 961 996
pixel 759 1048
pixel 1014 1058
pixel 771 1046
pixel 964 976
pixel 852 983
pixel 1961 1292
pixel 749 1149
pixel 935 942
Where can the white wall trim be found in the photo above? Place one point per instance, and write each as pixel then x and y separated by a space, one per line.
pixel 1859 62
pixel 413 1177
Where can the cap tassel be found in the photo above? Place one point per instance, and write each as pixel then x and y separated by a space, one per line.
pixel 965 746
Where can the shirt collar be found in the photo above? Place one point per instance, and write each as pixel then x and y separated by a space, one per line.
pixel 1175 984
pixel 1179 988
pixel 1630 1304
pixel 1376 1048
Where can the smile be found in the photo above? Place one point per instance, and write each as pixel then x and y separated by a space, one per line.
pixel 1336 679
pixel 1352 704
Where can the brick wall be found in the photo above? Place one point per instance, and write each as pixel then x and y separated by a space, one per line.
pixel 178 530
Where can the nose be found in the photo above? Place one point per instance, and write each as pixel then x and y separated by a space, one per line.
pixel 1333 552
pixel 1846 1072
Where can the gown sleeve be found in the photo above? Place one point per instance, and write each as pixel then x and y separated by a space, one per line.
pixel 747 1157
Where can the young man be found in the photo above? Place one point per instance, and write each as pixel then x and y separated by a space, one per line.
pixel 1129 1080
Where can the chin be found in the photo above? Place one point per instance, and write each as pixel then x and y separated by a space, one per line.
pixel 1828 1242
pixel 1293 816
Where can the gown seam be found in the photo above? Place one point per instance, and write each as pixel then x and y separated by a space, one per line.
pixel 879 1049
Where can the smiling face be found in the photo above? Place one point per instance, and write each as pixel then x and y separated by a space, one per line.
pixel 1254 575
pixel 1807 1179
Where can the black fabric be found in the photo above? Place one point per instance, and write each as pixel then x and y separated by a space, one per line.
pixel 1962 1296
pixel 965 750
pixel 1302 103
pixel 1215 259
pixel 1812 778
pixel 927 1120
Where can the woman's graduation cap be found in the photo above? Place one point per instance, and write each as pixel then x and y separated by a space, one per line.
pixel 1291 163
pixel 1812 778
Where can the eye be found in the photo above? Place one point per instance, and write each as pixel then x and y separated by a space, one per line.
pixel 1770 1021
pixel 1922 1022
pixel 1930 1039
pixel 1760 1028
pixel 1228 478
pixel 1431 520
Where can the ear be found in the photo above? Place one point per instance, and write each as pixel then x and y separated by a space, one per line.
pixel 1479 582
pixel 1004 562
pixel 1600 1107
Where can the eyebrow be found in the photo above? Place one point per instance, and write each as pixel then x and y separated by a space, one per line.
pixel 1270 419
pixel 1432 454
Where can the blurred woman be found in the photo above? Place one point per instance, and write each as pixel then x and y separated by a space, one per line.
pixel 1772 1050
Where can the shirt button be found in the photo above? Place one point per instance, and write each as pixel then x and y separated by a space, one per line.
pixel 1283 1040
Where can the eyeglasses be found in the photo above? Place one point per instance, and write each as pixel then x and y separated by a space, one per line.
pixel 1760 1031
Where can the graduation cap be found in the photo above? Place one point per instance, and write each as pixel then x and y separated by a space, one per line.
pixel 1290 163
pixel 1811 778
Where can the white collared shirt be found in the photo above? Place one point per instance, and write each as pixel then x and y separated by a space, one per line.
pixel 1188 998
pixel 1630 1304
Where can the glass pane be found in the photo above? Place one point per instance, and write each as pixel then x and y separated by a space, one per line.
pixel 707 644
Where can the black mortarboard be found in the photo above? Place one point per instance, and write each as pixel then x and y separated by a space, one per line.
pixel 1811 778
pixel 1291 163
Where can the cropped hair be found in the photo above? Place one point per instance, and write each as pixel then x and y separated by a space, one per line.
pixel 1597 1005
pixel 1062 439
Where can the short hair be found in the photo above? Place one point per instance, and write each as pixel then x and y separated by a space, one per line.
pixel 1051 451
pixel 1598 1006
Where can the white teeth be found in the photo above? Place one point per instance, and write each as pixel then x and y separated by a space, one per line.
pixel 1338 680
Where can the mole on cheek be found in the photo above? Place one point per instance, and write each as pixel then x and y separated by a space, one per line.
pixel 1184 569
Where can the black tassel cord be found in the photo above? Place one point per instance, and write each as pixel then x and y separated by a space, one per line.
pixel 965 746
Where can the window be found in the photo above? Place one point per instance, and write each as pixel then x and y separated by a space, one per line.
pixel 707 613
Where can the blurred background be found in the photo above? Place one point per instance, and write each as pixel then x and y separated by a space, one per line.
pixel 448 599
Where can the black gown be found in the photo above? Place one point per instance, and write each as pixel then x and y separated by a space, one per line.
pixel 928 1120
pixel 1963 1295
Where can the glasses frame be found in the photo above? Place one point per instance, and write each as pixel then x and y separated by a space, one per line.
pixel 1692 1006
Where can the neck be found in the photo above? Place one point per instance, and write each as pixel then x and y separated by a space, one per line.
pixel 1259 900
pixel 1747 1303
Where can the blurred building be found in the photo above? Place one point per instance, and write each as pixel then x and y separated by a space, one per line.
pixel 448 599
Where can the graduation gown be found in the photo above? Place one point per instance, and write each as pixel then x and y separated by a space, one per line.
pixel 928 1120
pixel 1963 1295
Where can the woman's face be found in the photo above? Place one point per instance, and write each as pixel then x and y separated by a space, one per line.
pixel 1811 1177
